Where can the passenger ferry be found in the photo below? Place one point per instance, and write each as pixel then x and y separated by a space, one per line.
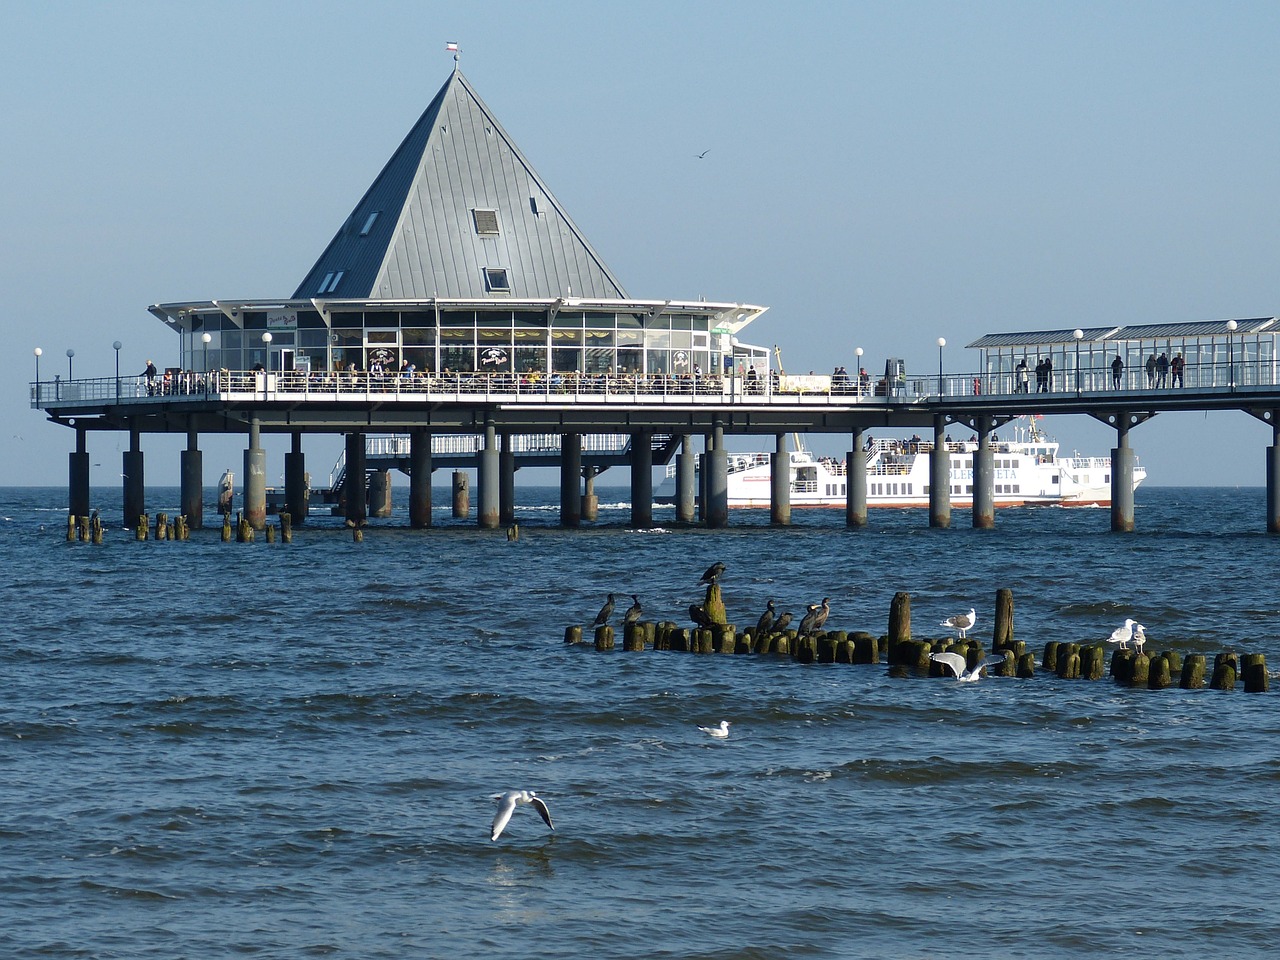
pixel 1028 471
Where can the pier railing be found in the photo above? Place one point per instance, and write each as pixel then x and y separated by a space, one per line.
pixel 557 389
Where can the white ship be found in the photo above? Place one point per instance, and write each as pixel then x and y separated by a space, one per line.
pixel 1028 471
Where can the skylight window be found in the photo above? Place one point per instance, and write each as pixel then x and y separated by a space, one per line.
pixel 330 282
pixel 533 206
pixel 486 221
pixel 368 224
pixel 324 284
pixel 495 280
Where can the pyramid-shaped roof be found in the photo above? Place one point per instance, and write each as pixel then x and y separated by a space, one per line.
pixel 458 212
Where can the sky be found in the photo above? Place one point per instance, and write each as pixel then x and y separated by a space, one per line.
pixel 878 174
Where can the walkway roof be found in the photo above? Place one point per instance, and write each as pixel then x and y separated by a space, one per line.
pixel 1142 332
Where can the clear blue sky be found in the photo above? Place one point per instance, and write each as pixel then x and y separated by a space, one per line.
pixel 878 174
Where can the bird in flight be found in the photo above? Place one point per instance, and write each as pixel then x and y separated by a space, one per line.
pixel 507 803
pixel 958 665
pixel 703 154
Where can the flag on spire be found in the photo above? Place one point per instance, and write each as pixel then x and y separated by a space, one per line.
pixel 451 46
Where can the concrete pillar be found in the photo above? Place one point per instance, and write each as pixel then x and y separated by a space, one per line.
pixel 590 502
pixel 380 494
pixel 1273 475
pixel 939 476
pixel 1122 478
pixel 353 493
pixel 78 478
pixel 984 478
pixel 642 479
pixel 255 479
pixel 419 479
pixel 461 495
pixel 780 484
pixel 855 499
pixel 487 478
pixel 506 482
pixel 570 474
pixel 191 464
pixel 717 513
pixel 296 501
pixel 686 481
pixel 135 500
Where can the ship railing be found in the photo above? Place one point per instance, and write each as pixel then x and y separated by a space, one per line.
pixel 804 486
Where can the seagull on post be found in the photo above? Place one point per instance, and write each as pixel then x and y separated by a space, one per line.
pixel 962 623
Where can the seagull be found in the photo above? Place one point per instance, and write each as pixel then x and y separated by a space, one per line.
pixel 765 623
pixel 962 623
pixel 507 803
pixel 1122 635
pixel 713 573
pixel 633 611
pixel 720 733
pixel 703 154
pixel 958 665
pixel 816 617
pixel 1139 636
pixel 605 613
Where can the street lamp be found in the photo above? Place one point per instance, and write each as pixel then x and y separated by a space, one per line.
pixel 942 342
pixel 205 339
pixel 858 361
pixel 1079 335
pixel 1231 354
pixel 116 346
pixel 38 352
pixel 70 353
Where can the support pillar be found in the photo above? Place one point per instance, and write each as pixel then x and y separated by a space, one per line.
pixel 255 479
pixel 78 478
pixel 506 482
pixel 461 494
pixel 717 513
pixel 419 479
pixel 570 472
pixel 354 497
pixel 642 479
pixel 135 500
pixel 487 478
pixel 780 484
pixel 191 465
pixel 984 478
pixel 686 481
pixel 855 491
pixel 1122 478
pixel 940 476
pixel 296 495
pixel 380 494
pixel 1273 475
pixel 590 502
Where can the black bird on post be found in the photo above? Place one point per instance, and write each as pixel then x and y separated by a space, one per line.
pixel 765 624
pixel 816 617
pixel 633 612
pixel 713 573
pixel 782 623
pixel 605 613
pixel 699 616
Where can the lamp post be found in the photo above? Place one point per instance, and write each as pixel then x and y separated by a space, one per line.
pixel 116 347
pixel 205 339
pixel 38 353
pixel 942 342
pixel 1231 354
pixel 70 353
pixel 1078 334
pixel 266 342
pixel 858 361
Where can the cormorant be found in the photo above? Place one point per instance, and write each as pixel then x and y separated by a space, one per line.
pixel 782 623
pixel 605 612
pixel 713 573
pixel 698 615
pixel 816 617
pixel 633 612
pixel 765 624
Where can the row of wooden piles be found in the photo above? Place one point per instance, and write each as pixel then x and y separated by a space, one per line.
pixel 907 656
pixel 89 529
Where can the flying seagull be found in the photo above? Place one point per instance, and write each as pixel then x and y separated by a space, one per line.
pixel 962 623
pixel 959 666
pixel 605 613
pixel 720 733
pixel 507 803
pixel 633 611
pixel 713 573
pixel 1122 635
pixel 703 153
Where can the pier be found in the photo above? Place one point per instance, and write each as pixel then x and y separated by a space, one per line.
pixel 442 310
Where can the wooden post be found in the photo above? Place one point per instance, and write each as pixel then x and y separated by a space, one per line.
pixel 1141 670
pixel 899 619
pixel 162 526
pixel 82 528
pixel 226 528
pixel 95 524
pixel 604 637
pixel 143 526
pixel 713 606
pixel 271 532
pixel 1159 674
pixel 1193 668
pixel 1225 670
pixel 865 648
pixel 1027 666
pixel 1255 673
pixel 572 634
pixel 71 528
pixel 1002 632
pixel 1092 662
pixel 1050 658
pixel 286 527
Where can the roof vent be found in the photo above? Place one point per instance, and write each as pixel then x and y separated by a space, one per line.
pixel 486 221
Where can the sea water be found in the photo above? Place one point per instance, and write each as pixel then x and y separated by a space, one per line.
pixel 270 750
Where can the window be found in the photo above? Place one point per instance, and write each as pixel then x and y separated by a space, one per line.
pixel 330 282
pixel 495 280
pixel 533 206
pixel 486 221
pixel 368 224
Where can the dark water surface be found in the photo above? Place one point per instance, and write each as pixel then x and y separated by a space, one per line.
pixel 219 750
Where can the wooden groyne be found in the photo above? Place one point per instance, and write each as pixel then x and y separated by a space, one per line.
pixel 907 656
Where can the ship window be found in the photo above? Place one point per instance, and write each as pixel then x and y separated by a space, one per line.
pixel 1054 479
pixel 842 490
pixel 486 221
pixel 495 280
pixel 926 488
pixel 968 489
pixel 1017 488
pixel 368 224
pixel 1106 478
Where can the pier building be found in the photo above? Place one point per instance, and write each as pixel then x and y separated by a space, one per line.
pixel 459 297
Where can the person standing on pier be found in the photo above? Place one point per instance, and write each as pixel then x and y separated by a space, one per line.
pixel 1177 365
pixel 1117 371
pixel 1021 371
pixel 1162 371
pixel 1151 371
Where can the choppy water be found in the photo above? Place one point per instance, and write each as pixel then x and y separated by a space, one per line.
pixel 216 750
